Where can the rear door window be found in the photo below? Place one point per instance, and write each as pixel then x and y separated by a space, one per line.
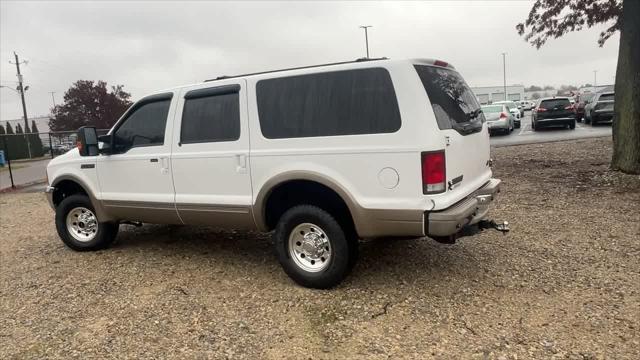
pixel 606 97
pixel 211 117
pixel 454 104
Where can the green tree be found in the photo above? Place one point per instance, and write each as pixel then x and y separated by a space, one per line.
pixel 19 129
pixel 533 88
pixel 34 139
pixel 90 103
pixel 2 132
pixel 9 129
pixel 554 18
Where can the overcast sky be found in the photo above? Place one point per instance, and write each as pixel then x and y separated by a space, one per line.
pixel 151 45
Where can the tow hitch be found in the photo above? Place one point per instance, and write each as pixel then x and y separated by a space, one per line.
pixel 471 230
pixel 503 227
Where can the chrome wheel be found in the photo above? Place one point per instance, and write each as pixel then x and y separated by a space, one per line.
pixel 309 247
pixel 82 224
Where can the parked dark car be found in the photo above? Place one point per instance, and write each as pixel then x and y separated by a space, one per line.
pixel 600 108
pixel 557 111
pixel 581 102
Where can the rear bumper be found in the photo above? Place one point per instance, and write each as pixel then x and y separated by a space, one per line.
pixel 498 125
pixel 600 116
pixel 466 212
pixel 556 121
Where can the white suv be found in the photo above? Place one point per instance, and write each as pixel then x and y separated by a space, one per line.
pixel 320 155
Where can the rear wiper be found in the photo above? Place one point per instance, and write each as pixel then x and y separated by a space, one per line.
pixel 474 114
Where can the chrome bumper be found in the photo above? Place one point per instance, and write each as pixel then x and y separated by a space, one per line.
pixel 466 212
pixel 49 193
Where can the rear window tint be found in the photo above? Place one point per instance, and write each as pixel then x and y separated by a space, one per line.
pixel 454 104
pixel 349 102
pixel 552 103
pixel 606 97
pixel 211 119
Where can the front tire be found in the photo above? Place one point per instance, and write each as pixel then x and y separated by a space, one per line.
pixel 78 225
pixel 313 248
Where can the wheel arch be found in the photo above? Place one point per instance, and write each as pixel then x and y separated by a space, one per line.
pixel 297 178
pixel 66 185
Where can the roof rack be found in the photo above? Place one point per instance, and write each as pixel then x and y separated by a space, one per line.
pixel 297 68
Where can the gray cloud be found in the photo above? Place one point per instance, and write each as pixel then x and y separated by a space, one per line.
pixel 153 45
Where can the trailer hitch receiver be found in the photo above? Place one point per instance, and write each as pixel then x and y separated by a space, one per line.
pixel 503 226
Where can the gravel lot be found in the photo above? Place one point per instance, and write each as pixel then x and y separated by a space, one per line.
pixel 564 284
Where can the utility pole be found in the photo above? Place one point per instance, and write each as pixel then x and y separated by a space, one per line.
pixel 24 106
pixel 366 37
pixel 504 75
pixel 53 98
pixel 595 82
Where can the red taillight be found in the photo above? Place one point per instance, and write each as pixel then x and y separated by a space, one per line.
pixel 570 107
pixel 541 109
pixel 433 172
pixel 503 115
pixel 79 145
pixel 440 63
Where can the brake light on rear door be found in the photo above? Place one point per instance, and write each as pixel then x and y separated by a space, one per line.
pixel 433 172
pixel 503 115
pixel 541 109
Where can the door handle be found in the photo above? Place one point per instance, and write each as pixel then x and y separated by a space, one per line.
pixel 241 161
pixel 164 165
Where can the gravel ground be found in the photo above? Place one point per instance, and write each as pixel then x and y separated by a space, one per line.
pixel 564 284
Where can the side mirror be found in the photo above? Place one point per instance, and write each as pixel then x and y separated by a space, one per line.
pixel 105 144
pixel 87 141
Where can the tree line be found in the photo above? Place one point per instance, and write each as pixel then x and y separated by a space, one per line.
pixel 16 147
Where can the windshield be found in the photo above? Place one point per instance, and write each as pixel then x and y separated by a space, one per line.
pixel 454 104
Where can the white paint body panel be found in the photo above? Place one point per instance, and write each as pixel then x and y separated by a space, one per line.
pixel 213 172
pixel 234 173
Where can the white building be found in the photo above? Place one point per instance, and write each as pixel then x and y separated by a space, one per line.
pixel 489 94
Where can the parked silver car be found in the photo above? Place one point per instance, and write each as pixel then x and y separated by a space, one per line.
pixel 513 109
pixel 499 118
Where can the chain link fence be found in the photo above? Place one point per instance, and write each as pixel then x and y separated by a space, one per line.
pixel 23 157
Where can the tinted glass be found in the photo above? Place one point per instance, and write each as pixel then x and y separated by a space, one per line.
pixel 453 103
pixel 606 97
pixel 144 127
pixel 325 104
pixel 211 118
pixel 553 103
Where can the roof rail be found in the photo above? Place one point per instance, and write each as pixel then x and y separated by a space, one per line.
pixel 223 77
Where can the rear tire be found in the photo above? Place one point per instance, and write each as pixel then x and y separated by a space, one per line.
pixel 313 248
pixel 78 225
pixel 572 125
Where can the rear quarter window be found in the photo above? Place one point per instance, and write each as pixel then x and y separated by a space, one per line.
pixel 606 97
pixel 349 102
